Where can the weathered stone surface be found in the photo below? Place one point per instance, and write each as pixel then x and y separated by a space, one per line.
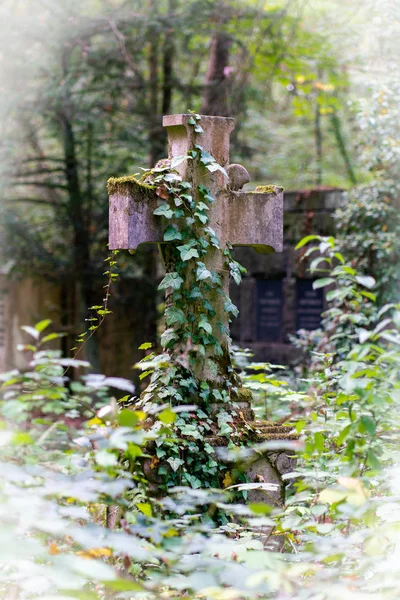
pixel 238 218
pixel 238 176
pixel 131 215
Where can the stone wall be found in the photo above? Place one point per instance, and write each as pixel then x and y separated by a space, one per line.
pixel 24 302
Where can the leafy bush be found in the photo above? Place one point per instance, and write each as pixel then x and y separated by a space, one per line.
pixel 80 518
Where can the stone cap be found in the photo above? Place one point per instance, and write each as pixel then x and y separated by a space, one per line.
pixel 183 119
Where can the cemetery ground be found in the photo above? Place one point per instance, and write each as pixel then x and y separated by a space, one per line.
pixel 178 493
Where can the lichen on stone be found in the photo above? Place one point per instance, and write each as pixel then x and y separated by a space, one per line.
pixel 268 189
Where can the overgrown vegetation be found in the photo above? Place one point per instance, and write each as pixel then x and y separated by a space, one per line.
pixel 70 453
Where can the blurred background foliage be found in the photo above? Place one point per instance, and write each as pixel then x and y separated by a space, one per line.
pixel 84 87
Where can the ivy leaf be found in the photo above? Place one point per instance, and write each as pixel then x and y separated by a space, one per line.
pixel 205 157
pixel 175 463
pixel 204 324
pixel 202 272
pixel 202 206
pixel 171 233
pixel 202 218
pixel 216 167
pixel 195 294
pixel 320 283
pixel 209 308
pixel 198 129
pixel 231 308
pixel 174 315
pixel 223 329
pixel 171 177
pixel 235 272
pixel 145 346
pixel 205 192
pixel 164 211
pixel 185 185
pixel 168 336
pixel 187 252
pixel 175 162
pixel 171 280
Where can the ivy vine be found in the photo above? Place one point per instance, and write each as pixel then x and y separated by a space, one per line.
pixel 188 455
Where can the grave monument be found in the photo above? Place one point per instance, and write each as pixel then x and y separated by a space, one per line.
pixel 238 218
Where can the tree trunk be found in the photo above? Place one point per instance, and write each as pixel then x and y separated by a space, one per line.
pixel 81 243
pixel 156 141
pixel 215 97
pixel 337 131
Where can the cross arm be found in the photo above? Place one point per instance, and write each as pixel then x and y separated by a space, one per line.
pixel 131 207
pixel 255 218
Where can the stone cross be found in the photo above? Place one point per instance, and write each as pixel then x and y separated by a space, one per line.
pixel 239 218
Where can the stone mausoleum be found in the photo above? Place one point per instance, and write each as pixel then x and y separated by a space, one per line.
pixel 276 297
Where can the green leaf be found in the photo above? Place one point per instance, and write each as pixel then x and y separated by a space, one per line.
pixel 52 336
pixel 204 324
pixel 369 295
pixel 145 508
pixel 174 315
pixel 343 435
pixel 366 281
pixel 164 211
pixel 202 272
pixel 167 416
pixel 205 157
pixel 187 252
pixel 373 460
pixel 307 239
pixel 171 233
pixel 145 346
pixel 127 418
pixel 175 463
pixel 168 336
pixel 368 425
pixel 42 325
pixel 319 441
pixel 319 283
pixel 175 162
pixel 195 294
pixel 231 308
pixel 216 167
pixel 201 217
pixel 171 280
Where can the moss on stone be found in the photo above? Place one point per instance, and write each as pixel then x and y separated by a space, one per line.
pixel 127 185
pixel 268 189
pixel 244 395
pixel 264 437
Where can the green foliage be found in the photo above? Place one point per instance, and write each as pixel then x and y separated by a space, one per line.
pixel 70 453
pixel 368 223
